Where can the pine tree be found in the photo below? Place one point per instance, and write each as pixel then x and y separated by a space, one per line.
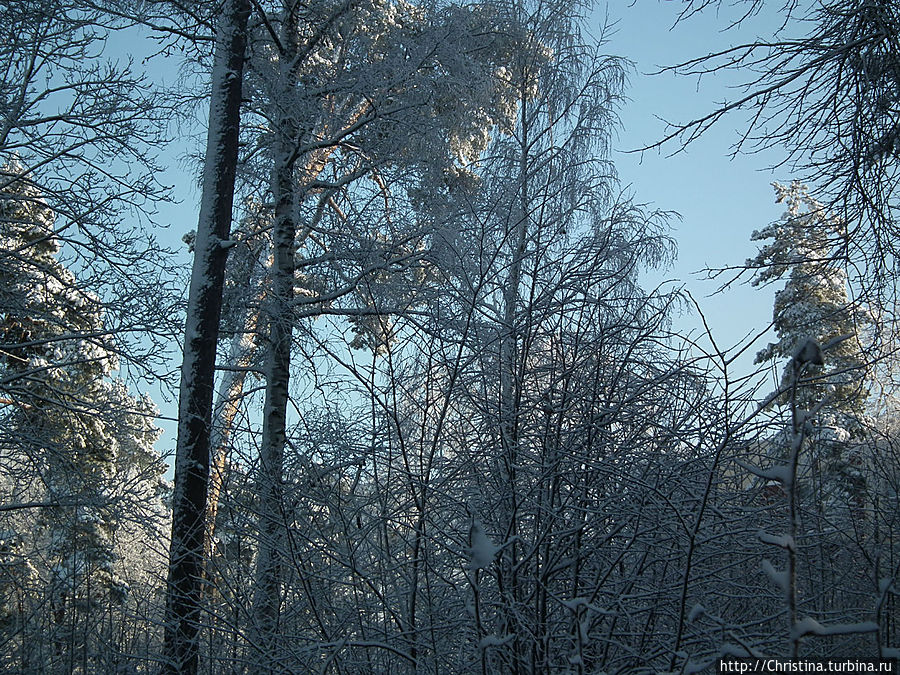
pixel 204 309
pixel 814 306
pixel 77 448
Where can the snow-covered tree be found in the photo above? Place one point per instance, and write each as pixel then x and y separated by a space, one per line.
pixel 524 400
pixel 563 250
pixel 84 129
pixel 812 310
pixel 374 92
pixel 822 88
pixel 204 309
pixel 77 448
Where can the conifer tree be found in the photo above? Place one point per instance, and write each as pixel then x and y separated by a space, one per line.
pixel 814 305
pixel 76 447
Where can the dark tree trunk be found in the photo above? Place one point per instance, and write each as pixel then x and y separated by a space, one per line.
pixel 186 558
pixel 266 599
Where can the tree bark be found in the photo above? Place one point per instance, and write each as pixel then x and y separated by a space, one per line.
pixel 510 388
pixel 184 590
pixel 227 407
pixel 266 598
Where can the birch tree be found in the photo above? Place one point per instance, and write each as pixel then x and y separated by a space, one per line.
pixel 502 437
pixel 550 182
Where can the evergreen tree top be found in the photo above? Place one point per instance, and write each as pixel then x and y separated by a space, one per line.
pixel 814 304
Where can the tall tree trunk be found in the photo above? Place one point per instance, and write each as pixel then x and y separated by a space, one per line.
pixel 184 589
pixel 269 487
pixel 509 391
pixel 241 355
pixel 266 598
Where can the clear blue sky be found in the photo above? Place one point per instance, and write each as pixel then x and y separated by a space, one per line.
pixel 721 200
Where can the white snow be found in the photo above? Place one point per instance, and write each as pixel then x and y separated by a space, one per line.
pixel 779 577
pixel 495 641
pixel 809 626
pixel 780 472
pixel 697 612
pixel 781 540
pixel 482 550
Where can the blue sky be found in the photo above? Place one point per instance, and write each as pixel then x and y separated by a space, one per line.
pixel 721 200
